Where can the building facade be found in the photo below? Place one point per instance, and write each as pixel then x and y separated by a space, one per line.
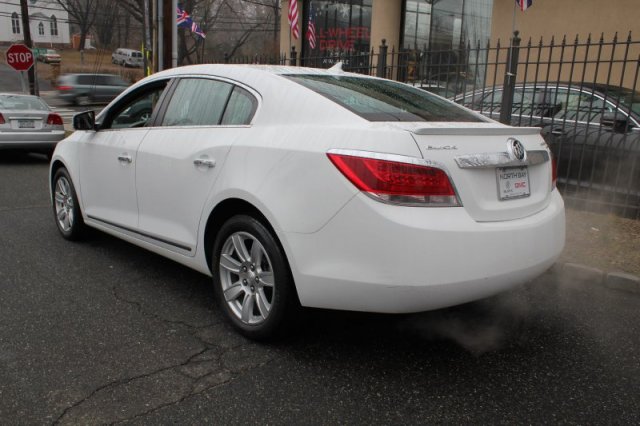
pixel 49 23
pixel 431 25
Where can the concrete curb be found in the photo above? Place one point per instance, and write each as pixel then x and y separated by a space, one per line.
pixel 612 280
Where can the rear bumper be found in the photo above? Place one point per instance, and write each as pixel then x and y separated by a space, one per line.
pixel 380 258
pixel 31 140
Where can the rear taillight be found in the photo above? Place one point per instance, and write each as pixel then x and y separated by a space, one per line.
pixel 2 119
pixel 54 120
pixel 63 88
pixel 397 182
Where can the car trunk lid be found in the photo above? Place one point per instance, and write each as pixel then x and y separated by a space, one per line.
pixel 26 120
pixel 483 160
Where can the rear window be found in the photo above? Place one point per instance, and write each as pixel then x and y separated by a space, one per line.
pixel 384 100
pixel 17 103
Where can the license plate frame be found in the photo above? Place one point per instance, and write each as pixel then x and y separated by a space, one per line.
pixel 26 124
pixel 513 182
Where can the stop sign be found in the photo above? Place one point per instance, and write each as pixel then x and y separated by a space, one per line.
pixel 19 57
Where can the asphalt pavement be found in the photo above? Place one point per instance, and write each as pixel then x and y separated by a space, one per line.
pixel 104 332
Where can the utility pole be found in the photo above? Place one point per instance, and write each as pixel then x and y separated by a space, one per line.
pixel 168 22
pixel 24 10
pixel 146 26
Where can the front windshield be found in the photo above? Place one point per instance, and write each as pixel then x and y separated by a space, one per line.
pixel 384 100
pixel 18 102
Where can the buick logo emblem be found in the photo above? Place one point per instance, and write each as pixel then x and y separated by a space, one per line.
pixel 516 149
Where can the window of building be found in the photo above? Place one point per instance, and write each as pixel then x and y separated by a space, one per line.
pixel 41 29
pixel 436 33
pixel 53 25
pixel 417 24
pixel 15 23
pixel 342 26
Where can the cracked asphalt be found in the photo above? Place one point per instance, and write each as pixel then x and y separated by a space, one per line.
pixel 102 332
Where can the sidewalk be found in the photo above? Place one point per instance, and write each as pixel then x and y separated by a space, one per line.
pixel 602 248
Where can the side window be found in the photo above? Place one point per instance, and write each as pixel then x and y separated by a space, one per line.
pixel 137 110
pixel 580 106
pixel 86 80
pixel 113 80
pixel 101 80
pixel 240 107
pixel 197 102
pixel 491 102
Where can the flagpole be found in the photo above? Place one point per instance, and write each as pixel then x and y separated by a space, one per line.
pixel 513 30
pixel 513 20
pixel 289 47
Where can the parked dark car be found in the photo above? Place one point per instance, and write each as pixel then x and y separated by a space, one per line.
pixel 593 131
pixel 86 89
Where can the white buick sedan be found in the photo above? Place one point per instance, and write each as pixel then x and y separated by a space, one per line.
pixel 303 187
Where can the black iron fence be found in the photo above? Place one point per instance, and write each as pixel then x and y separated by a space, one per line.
pixel 583 94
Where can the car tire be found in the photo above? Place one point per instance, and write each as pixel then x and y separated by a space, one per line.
pixel 253 284
pixel 66 208
pixel 83 100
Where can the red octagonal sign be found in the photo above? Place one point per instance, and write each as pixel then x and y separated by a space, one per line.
pixel 19 57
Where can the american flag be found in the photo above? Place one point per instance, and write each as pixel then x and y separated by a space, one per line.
pixel 524 4
pixel 293 18
pixel 311 30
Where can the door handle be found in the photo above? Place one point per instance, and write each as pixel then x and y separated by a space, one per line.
pixel 204 162
pixel 557 132
pixel 125 158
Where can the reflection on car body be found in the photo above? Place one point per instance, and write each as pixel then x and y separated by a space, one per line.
pixel 296 186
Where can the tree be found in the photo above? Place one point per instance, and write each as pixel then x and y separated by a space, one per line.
pixel 105 23
pixel 84 14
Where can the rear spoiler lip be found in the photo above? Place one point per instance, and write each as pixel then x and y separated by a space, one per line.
pixel 478 131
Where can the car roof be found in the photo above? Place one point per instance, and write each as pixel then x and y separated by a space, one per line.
pixel 220 69
pixel 19 94
pixel 281 98
pixel 89 73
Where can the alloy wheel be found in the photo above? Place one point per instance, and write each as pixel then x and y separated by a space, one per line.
pixel 63 200
pixel 247 279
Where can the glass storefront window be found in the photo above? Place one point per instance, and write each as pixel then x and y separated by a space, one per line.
pixel 341 26
pixel 417 24
pixel 445 24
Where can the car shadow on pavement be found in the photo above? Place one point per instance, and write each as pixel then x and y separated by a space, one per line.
pixel 21 157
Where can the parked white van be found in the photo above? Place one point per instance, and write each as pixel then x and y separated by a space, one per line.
pixel 127 58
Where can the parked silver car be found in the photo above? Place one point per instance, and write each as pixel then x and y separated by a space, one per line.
pixel 27 123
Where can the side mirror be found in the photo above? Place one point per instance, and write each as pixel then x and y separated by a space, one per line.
pixel 616 121
pixel 84 121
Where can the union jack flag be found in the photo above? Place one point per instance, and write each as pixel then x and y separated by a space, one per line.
pixel 524 4
pixel 196 30
pixel 311 30
pixel 293 18
pixel 183 19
